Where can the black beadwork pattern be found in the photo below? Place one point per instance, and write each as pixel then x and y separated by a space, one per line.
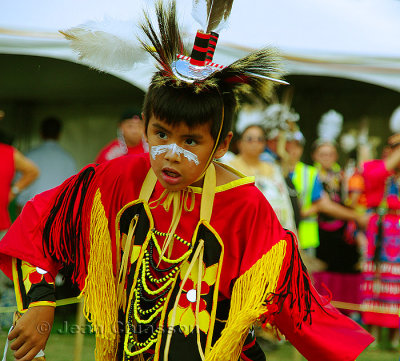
pixel 150 295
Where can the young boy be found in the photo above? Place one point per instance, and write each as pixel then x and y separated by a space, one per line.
pixel 177 256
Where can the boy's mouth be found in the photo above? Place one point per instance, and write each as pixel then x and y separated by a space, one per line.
pixel 170 176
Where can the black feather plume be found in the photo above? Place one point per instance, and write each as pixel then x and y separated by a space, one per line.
pixel 219 11
pixel 211 14
pixel 251 74
pixel 164 42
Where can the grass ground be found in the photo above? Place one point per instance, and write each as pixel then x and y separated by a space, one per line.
pixel 61 345
pixel 61 348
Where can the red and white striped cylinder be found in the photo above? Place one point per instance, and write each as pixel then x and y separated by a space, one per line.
pixel 200 48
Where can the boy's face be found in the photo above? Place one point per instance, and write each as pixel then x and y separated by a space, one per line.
pixel 179 154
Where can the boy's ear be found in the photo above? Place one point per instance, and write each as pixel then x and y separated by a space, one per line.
pixel 224 146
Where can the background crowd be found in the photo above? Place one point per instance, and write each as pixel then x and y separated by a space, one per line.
pixel 346 216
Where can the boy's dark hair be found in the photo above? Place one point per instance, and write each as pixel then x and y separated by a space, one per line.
pixel 175 105
pixel 50 128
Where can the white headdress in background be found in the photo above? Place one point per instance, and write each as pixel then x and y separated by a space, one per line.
pixel 279 116
pixel 273 118
pixel 394 122
pixel 247 117
pixel 330 126
pixel 360 140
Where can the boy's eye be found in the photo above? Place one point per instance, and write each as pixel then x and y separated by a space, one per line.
pixel 162 135
pixel 190 141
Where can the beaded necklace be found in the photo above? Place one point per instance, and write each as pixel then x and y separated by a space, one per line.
pixel 150 293
pixel 153 284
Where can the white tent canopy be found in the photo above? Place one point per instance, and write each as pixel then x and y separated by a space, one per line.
pixel 354 39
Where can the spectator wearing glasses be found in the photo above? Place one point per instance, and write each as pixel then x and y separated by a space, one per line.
pixel 268 177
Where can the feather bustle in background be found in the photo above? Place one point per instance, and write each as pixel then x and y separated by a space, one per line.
pixel 212 15
pixel 107 44
pixel 348 141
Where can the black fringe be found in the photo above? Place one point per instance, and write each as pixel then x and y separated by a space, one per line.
pixel 297 277
pixel 63 234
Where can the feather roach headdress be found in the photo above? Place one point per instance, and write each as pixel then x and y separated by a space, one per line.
pixel 105 45
pixel 254 73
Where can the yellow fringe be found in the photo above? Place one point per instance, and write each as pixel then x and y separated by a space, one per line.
pixel 179 200
pixel 248 303
pixel 100 306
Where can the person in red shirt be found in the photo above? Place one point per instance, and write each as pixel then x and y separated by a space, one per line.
pixel 12 160
pixel 381 276
pixel 130 139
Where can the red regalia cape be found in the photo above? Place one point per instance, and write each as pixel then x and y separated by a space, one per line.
pixel 251 268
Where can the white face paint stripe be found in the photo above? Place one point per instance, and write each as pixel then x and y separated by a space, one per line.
pixel 176 149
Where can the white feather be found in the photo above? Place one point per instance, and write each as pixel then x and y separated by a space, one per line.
pixel 221 26
pixel 330 126
pixel 394 122
pixel 199 13
pixel 348 142
pixel 107 45
pixel 248 117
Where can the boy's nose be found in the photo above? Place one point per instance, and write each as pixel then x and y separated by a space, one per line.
pixel 173 154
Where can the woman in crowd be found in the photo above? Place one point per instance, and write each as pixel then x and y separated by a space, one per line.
pixel 268 177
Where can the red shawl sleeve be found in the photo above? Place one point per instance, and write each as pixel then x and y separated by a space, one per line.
pixel 26 239
pixel 272 284
pixel 317 329
pixel 54 227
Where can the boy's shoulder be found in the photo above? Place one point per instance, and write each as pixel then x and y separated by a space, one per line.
pixel 238 190
pixel 226 174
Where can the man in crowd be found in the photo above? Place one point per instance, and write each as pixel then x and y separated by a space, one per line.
pixel 55 164
pixel 130 138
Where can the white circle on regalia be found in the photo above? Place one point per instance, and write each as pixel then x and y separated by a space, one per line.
pixel 191 295
pixel 40 271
